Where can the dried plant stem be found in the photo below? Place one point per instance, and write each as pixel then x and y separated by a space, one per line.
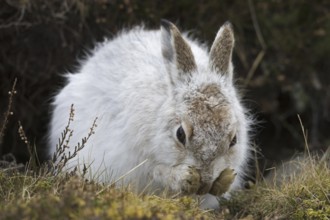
pixel 33 162
pixel 254 66
pixel 62 156
pixel 261 40
pixel 24 138
pixel 65 137
pixel 256 24
pixel 9 112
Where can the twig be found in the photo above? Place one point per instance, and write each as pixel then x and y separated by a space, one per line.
pixel 261 40
pixel 256 25
pixel 9 112
pixel 254 66
pixel 24 138
pixel 65 137
pixel 61 157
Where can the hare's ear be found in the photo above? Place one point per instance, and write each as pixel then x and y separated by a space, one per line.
pixel 221 51
pixel 176 50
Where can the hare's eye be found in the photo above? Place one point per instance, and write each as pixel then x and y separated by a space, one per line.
pixel 181 135
pixel 233 141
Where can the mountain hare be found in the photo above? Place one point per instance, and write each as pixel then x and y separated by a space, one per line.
pixel 163 100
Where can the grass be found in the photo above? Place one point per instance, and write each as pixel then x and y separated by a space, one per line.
pixel 301 193
pixel 304 194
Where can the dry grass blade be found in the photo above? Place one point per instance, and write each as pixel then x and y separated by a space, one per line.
pixel 305 136
pixel 326 157
pixel 123 176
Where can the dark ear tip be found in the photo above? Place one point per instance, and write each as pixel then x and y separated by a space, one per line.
pixel 166 24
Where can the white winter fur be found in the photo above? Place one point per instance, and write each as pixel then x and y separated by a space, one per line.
pixel 138 99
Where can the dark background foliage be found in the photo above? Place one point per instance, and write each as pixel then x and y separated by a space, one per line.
pixel 281 59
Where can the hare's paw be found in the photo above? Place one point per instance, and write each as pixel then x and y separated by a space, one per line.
pixel 191 181
pixel 223 182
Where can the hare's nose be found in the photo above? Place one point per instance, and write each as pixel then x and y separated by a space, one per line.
pixel 204 188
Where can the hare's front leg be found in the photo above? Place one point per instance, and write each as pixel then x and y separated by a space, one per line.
pixel 223 182
pixel 181 178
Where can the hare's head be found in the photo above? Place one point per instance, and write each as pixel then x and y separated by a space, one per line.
pixel 210 127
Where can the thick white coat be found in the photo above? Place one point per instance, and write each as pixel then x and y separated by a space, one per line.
pixel 125 82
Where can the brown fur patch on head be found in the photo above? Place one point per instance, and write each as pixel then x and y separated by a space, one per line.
pixel 211 118
pixel 210 108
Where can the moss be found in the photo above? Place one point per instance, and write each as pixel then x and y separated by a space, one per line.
pixel 75 198
pixel 313 209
